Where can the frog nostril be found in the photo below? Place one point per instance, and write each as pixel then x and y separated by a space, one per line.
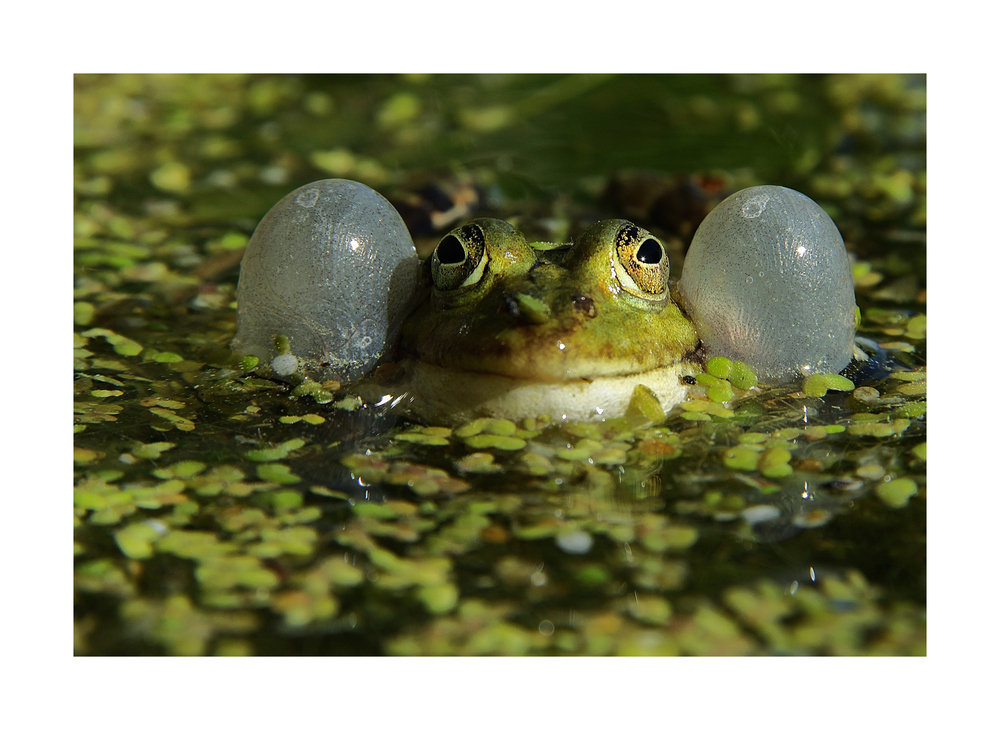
pixel 512 309
pixel 585 305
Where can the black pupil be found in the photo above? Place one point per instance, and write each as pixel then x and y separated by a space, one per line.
pixel 649 252
pixel 450 251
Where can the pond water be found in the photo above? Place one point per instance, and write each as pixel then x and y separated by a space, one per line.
pixel 218 512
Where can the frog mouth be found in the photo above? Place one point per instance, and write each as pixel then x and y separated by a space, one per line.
pixel 552 360
pixel 455 396
pixel 568 346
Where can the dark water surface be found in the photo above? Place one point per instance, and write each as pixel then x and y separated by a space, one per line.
pixel 217 512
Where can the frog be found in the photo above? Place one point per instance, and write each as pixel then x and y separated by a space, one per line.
pixel 513 328
pixel 491 324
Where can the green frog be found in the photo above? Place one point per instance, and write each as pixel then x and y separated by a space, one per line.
pixel 513 329
pixel 330 289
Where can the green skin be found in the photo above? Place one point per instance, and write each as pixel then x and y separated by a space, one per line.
pixel 547 313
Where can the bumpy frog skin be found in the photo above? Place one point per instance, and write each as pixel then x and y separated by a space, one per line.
pixel 513 329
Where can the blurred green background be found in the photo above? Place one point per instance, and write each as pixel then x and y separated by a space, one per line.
pixel 228 144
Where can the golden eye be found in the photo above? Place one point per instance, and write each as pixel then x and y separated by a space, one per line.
pixel 460 258
pixel 641 263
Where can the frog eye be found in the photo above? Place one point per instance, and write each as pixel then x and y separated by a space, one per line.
pixel 460 258
pixel 641 263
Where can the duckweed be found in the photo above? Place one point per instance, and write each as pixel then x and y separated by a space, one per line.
pixel 103 576
pixel 492 441
pixel 478 462
pixel 180 626
pixel 774 462
pixel 645 406
pixel 582 450
pixel 704 410
pixel 896 492
pixel 493 426
pixel 908 375
pixel 532 310
pixel 721 393
pixel 229 571
pixel 742 376
pixel 422 480
pixel 916 327
pixel 277 473
pixel 817 385
pixel 732 373
pixel 879 430
pixel 438 599
pixel 153 450
pixel 107 393
pixel 293 540
pixel 281 345
pixel 668 538
pixel 428 436
pixel 650 609
pixel 914 388
pixel 719 367
pixel 136 540
pixel 83 314
pixel 121 344
pixel 864 276
pixel 84 455
pixel 275 453
pixel 167 357
pixel 644 541
pixel 179 470
pixel 741 457
pixel 304 607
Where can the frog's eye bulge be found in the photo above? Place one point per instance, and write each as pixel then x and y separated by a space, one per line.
pixel 460 258
pixel 629 261
pixel 471 258
pixel 767 281
pixel 641 263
